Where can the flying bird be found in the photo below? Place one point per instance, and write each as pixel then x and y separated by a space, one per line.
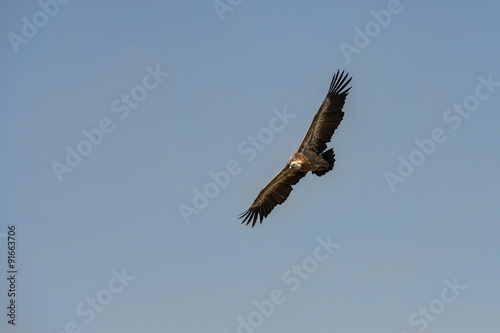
pixel 311 155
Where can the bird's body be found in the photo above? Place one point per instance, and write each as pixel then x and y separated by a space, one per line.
pixel 311 155
pixel 306 161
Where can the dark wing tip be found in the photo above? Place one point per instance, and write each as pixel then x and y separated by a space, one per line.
pixel 339 83
pixel 251 215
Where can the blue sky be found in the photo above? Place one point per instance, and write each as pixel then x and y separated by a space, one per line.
pixel 155 97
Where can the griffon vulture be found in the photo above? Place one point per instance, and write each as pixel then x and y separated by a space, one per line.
pixel 311 155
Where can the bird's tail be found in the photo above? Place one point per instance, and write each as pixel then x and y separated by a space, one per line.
pixel 329 156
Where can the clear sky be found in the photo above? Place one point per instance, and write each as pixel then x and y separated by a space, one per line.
pixel 134 133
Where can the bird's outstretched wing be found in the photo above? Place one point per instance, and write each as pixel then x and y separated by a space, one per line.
pixel 273 194
pixel 329 115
